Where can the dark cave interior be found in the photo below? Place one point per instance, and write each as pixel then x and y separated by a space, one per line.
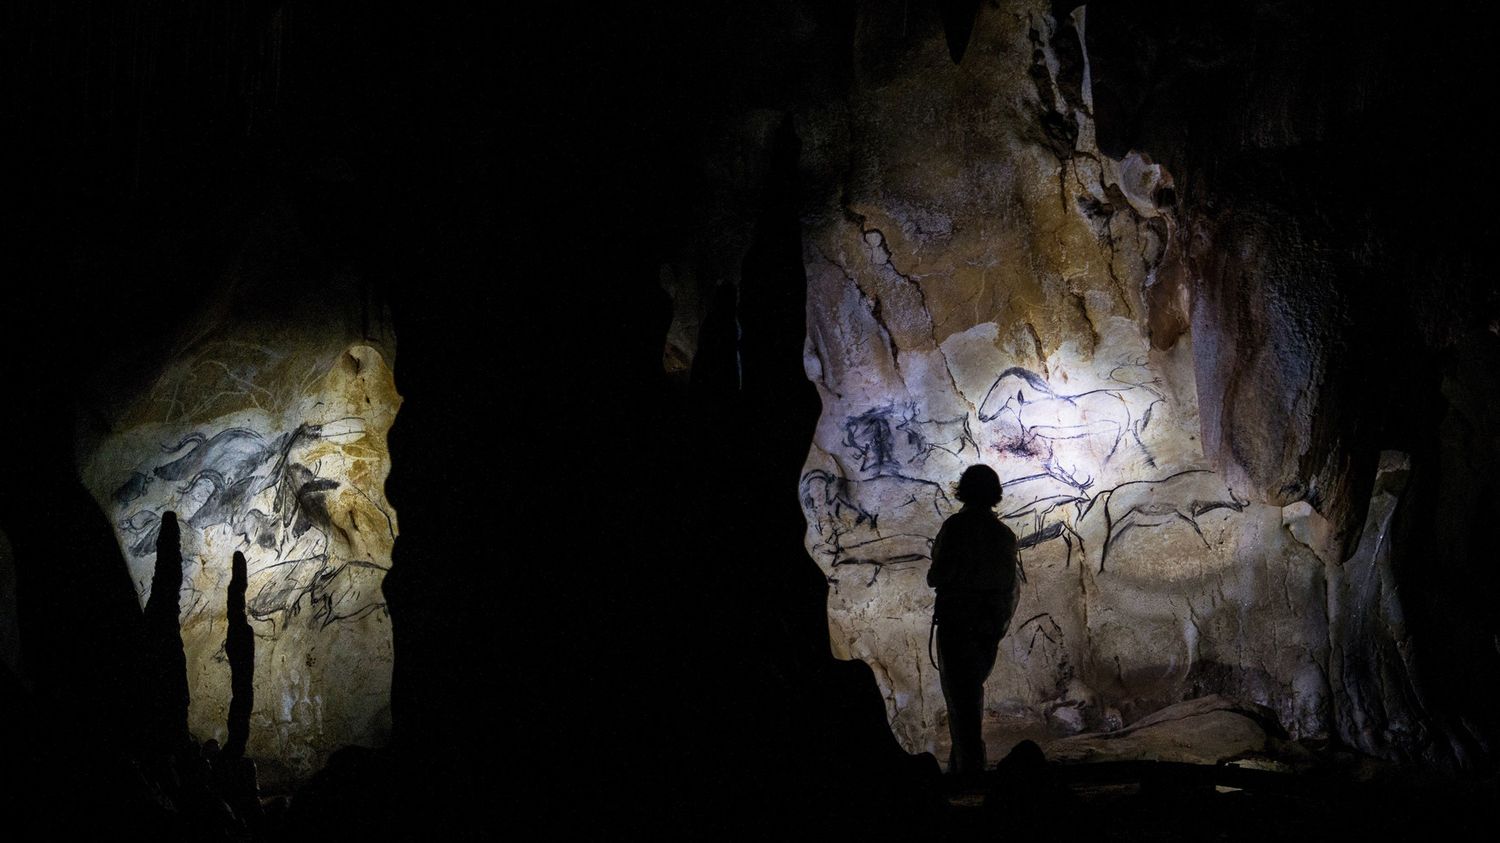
pixel 602 612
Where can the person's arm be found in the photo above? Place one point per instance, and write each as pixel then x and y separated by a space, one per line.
pixel 941 570
pixel 1014 545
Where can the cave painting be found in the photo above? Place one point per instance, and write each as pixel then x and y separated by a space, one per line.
pixel 1054 447
pixel 279 455
pixel 273 507
pixel 993 294
pixel 1132 542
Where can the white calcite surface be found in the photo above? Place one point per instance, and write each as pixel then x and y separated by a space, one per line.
pixel 271 443
pixel 981 290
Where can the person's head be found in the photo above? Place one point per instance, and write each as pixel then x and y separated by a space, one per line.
pixel 979 486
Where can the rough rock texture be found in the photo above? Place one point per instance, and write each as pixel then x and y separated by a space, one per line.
pixel 1206 730
pixel 1101 248
pixel 166 664
pixel 1336 315
pixel 267 436
pixel 1372 663
pixel 239 648
pixel 986 285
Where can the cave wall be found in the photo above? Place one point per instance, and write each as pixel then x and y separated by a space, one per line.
pixel 983 287
pixel 264 429
pixel 1140 258
pixel 142 134
pixel 257 173
pixel 1340 319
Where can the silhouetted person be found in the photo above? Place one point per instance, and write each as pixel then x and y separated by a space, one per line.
pixel 974 569
pixel 239 646
pixel 168 705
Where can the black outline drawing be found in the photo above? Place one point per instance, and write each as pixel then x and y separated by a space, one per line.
pixel 1057 498
pixel 225 474
pixel 872 437
pixel 1039 631
pixel 1035 440
pixel 868 435
pixel 1139 513
pixel 839 516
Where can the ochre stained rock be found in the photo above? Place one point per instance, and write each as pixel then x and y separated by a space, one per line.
pixel 269 440
pixel 986 285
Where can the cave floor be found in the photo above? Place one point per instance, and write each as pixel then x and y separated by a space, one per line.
pixel 1190 777
pixel 1161 809
pixel 1130 803
pixel 1249 799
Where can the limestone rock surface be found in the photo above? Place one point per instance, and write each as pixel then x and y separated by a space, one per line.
pixel 986 285
pixel 1207 730
pixel 267 437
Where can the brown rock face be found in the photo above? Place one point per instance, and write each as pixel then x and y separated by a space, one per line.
pixel 1139 260
pixel 1337 321
pixel 986 285
pixel 1207 730
pixel 267 437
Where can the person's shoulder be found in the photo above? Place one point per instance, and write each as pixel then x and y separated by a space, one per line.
pixel 956 517
pixel 962 518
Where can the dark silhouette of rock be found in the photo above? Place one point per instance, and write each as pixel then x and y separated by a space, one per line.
pixel 1024 795
pixel 167 703
pixel 240 647
pixel 236 783
pixel 235 779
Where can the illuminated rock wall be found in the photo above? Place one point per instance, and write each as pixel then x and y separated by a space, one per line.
pixel 984 285
pixel 268 437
